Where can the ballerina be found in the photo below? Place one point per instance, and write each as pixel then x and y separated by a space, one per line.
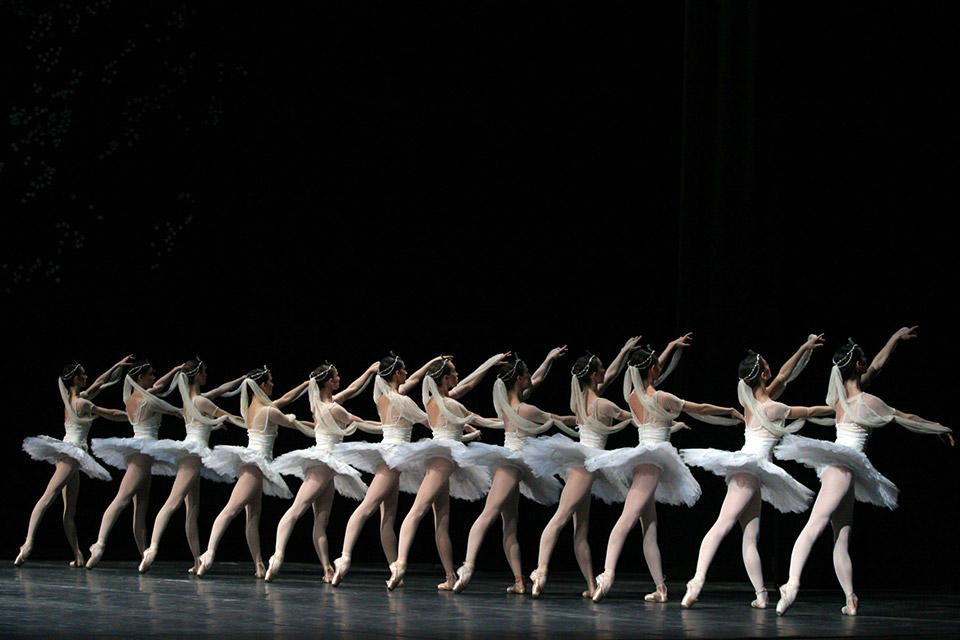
pixel 846 473
pixel 559 455
pixel 70 455
pixel 448 470
pixel 653 469
pixel 398 413
pixel 142 393
pixel 321 467
pixel 252 466
pixel 749 473
pixel 512 475
pixel 189 455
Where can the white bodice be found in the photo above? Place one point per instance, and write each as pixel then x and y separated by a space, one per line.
pixel 396 434
pixel 261 443
pixel 448 432
pixel 852 435
pixel 143 431
pixel 199 433
pixel 514 440
pixel 592 439
pixel 653 432
pixel 76 434
pixel 758 445
pixel 326 441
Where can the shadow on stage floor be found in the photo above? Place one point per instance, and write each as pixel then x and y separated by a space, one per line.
pixel 45 599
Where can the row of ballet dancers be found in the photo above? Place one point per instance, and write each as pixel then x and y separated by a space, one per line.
pixel 445 465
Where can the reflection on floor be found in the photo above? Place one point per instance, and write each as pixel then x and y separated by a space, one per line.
pixel 44 599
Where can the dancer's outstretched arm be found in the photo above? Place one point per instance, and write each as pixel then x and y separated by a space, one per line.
pixel 116 415
pixel 541 373
pixel 463 388
pixel 283 420
pixel 704 409
pixel 291 395
pixel 783 377
pixel 343 416
pixel 226 387
pixel 613 370
pixel 208 408
pixel 879 360
pixel 91 391
pixel 533 414
pixel 164 381
pixel 818 411
pixel 413 380
pixel 358 384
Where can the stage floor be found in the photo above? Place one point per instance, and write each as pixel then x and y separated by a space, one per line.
pixel 44 599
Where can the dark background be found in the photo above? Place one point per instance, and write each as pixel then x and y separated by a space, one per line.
pixel 287 185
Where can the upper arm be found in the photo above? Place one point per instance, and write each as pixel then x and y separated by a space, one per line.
pixel 533 414
pixel 776 411
pixel 670 402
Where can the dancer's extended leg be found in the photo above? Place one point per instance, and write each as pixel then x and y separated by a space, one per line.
pixel 71 492
pixel 321 515
pixel 382 493
pixel 575 491
pixel 188 474
pixel 135 477
pixel 191 524
pixel 505 482
pixel 62 472
pixel 842 522
pixel 441 533
pixel 750 522
pixel 252 530
pixel 249 487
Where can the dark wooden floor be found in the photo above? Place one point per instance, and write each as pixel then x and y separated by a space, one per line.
pixel 45 599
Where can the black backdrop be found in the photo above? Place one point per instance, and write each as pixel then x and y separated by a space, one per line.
pixel 287 185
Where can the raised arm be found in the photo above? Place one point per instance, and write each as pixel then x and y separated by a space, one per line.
pixel 879 360
pixel 358 384
pixel 224 388
pixel 414 378
pixel 541 373
pixel 164 381
pixel 783 377
pixel 613 370
pixel 91 391
pixel 679 343
pixel 465 387
pixel 291 395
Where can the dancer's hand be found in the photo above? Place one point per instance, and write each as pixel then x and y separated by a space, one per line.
pixel 506 358
pixel 631 344
pixel 683 341
pixel 557 352
pixel 813 342
pixel 906 333
pixel 127 360
pixel 948 438
pixel 736 415
pixel 374 367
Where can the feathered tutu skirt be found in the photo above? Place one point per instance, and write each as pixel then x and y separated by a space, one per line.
pixel 556 454
pixel 367 456
pixel 869 484
pixel 346 479
pixel 776 485
pixel 467 482
pixel 228 460
pixel 52 450
pixel 117 451
pixel 676 486
pixel 171 452
pixel 539 487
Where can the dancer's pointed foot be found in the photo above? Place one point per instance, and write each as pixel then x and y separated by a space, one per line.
pixel 447 585
pixel 259 570
pixel 204 563
pixel 196 566
pixel 693 592
pixel 760 602
pixel 517 586
pixel 850 609
pixel 660 595
pixel 341 566
pixel 148 557
pixel 464 574
pixel 397 569
pixel 25 552
pixel 276 561
pixel 78 562
pixel 788 593
pixel 96 552
pixel 328 572
pixel 604 584
pixel 539 579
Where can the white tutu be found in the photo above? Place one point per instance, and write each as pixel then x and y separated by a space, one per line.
pixel 52 450
pixel 467 482
pixel 346 479
pixel 555 454
pixel 367 456
pixel 227 460
pixel 776 485
pixel 116 451
pixel 869 484
pixel 676 486
pixel 539 487
pixel 170 452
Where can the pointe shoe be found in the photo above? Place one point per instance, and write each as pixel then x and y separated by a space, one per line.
pixel 660 595
pixel 397 569
pixel 328 573
pixel 77 563
pixel 464 574
pixel 693 592
pixel 788 593
pixel 259 571
pixel 276 561
pixel 604 584
pixel 760 602
pixel 517 586
pixel 342 566
pixel 148 557
pixel 25 551
pixel 850 609
pixel 205 562
pixel 96 552
pixel 539 579
pixel 447 585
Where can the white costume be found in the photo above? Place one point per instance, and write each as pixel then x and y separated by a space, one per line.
pixel 469 480
pixel 329 436
pixel 536 484
pixel 860 414
pixel 398 420
pixel 261 433
pixel 74 443
pixel 763 431
pixel 557 454
pixel 146 425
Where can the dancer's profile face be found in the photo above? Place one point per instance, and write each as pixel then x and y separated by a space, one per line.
pixel 80 380
pixel 202 376
pixel 147 378
pixel 267 385
pixel 524 379
pixel 766 375
pixel 597 376
pixel 402 375
pixel 451 378
pixel 334 380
